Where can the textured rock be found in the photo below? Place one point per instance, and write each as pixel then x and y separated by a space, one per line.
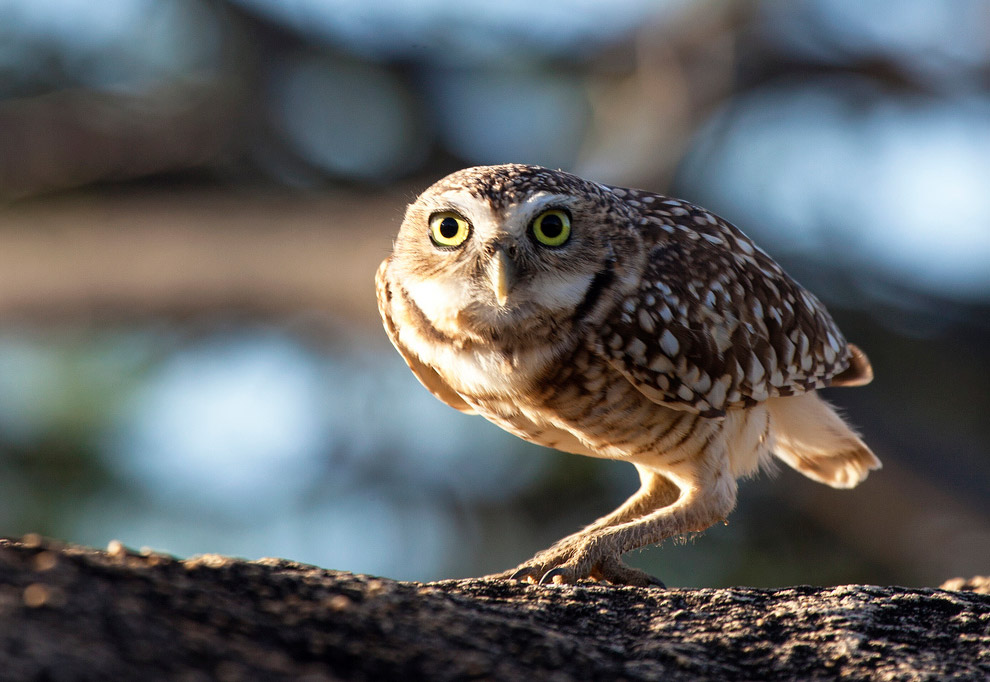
pixel 71 613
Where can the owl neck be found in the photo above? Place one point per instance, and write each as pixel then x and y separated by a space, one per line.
pixel 487 356
pixel 497 369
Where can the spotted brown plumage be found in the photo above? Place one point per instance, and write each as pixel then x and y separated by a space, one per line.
pixel 635 327
pixel 716 323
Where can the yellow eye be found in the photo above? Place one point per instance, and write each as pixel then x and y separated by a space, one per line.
pixel 449 230
pixel 552 228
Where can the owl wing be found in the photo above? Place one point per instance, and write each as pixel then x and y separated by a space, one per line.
pixel 427 376
pixel 715 322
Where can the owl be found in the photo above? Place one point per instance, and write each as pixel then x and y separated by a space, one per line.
pixel 622 324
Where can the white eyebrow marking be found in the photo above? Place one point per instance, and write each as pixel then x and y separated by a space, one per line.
pixel 517 218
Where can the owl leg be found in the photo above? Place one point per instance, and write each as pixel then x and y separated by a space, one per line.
pixel 656 491
pixel 706 495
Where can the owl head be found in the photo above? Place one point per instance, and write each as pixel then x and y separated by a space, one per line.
pixel 511 246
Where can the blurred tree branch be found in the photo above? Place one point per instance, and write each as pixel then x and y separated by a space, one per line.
pixel 77 137
pixel 146 255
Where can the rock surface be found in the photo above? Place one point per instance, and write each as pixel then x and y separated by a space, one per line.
pixel 69 613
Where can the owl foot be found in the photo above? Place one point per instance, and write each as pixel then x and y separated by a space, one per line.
pixel 610 569
pixel 617 573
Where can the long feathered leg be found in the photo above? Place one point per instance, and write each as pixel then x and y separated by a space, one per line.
pixel 656 491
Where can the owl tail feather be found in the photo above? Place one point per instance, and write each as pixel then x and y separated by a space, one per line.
pixel 811 437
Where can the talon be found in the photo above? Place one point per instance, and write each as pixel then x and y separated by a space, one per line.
pixel 525 574
pixel 550 577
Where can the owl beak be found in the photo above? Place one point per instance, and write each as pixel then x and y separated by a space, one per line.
pixel 503 273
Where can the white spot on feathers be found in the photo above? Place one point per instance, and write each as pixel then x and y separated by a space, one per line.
pixel 646 321
pixel 661 363
pixel 669 343
pixel 637 349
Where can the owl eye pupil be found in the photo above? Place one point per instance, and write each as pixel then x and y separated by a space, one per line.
pixel 552 226
pixel 448 228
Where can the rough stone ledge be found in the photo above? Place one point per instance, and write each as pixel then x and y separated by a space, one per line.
pixel 69 613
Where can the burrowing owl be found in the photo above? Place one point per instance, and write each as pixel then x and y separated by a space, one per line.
pixel 623 324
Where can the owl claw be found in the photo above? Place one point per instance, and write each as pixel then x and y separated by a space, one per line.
pixel 550 577
pixel 525 573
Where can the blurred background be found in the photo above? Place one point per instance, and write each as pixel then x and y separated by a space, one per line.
pixel 194 196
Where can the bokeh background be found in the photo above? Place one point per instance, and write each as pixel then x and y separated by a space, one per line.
pixel 196 194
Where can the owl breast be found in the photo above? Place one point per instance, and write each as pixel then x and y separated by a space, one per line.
pixel 578 404
pixel 477 372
